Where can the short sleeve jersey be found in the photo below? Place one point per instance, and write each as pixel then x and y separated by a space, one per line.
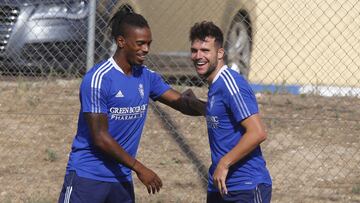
pixel 124 99
pixel 230 101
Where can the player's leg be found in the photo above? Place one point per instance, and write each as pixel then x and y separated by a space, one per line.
pixel 260 194
pixel 264 193
pixel 122 192
pixel 80 190
pixel 215 197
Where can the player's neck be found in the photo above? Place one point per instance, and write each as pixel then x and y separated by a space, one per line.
pixel 215 72
pixel 122 62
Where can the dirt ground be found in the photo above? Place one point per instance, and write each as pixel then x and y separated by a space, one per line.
pixel 312 150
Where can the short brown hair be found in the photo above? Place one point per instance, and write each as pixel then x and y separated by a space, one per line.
pixel 206 29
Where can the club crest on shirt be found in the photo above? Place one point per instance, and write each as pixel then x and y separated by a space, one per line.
pixel 212 101
pixel 141 90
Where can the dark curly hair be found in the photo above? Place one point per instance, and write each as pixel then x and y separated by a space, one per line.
pixel 206 29
pixel 122 19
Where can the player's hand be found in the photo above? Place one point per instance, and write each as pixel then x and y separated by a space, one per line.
pixel 149 178
pixel 219 177
pixel 197 104
pixel 188 93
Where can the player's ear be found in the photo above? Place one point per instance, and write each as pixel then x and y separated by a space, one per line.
pixel 120 41
pixel 221 53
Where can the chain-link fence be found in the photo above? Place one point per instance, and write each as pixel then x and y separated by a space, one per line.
pixel 301 57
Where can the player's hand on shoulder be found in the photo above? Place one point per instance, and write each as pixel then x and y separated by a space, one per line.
pixel 188 93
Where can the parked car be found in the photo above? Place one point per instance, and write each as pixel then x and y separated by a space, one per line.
pixel 170 22
pixel 43 35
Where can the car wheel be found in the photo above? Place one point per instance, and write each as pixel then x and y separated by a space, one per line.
pixel 238 45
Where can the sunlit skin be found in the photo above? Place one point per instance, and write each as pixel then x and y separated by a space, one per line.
pixel 207 57
pixel 132 48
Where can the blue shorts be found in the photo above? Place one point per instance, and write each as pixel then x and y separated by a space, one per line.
pixel 77 189
pixel 260 194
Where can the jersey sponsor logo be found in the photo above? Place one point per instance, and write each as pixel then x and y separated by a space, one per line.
pixel 212 121
pixel 141 90
pixel 119 94
pixel 127 113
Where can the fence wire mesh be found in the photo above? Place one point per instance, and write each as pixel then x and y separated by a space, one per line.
pixel 301 58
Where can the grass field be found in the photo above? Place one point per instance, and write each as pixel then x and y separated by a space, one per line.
pixel 312 151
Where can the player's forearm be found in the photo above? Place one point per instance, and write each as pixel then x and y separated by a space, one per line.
pixel 187 103
pixel 191 106
pixel 246 145
pixel 103 141
pixel 111 148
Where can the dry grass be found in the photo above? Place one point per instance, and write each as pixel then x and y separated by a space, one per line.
pixel 312 152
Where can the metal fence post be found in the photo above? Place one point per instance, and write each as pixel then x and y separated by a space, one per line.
pixel 91 35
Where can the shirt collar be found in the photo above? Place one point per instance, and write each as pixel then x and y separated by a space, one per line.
pixel 111 59
pixel 218 73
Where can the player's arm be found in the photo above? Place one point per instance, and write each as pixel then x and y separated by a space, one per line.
pixel 187 103
pixel 102 140
pixel 253 136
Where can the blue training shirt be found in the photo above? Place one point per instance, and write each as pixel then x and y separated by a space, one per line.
pixel 124 98
pixel 230 101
